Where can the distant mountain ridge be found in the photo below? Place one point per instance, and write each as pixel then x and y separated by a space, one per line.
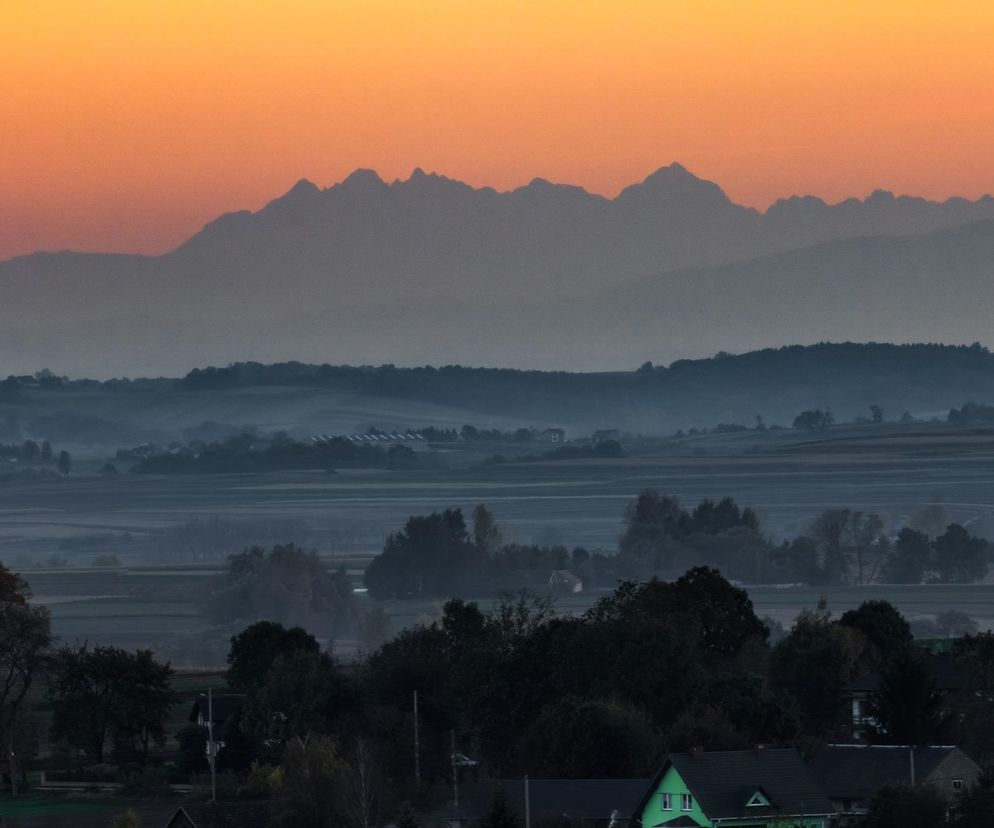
pixel 345 270
pixel 925 380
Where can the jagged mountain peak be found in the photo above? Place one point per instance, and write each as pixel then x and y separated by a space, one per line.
pixel 674 185
pixel 361 178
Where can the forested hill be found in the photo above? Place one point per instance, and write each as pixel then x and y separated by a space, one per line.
pixel 776 383
pixel 925 380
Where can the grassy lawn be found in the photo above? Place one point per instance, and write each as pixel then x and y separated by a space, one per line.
pixel 52 805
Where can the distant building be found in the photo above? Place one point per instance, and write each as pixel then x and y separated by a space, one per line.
pixel 761 788
pixel 565 581
pixel 850 775
pixel 552 435
pixel 382 439
pixel 951 679
pixel 603 434
pixel 225 709
pixel 221 815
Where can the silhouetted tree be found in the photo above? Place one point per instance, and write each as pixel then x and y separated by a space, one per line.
pixel 431 556
pixel 25 648
pixel 814 419
pixel 909 558
pixel 812 665
pixel 106 693
pixel 577 739
pixel 255 649
pixel 906 708
pixel 885 629
pixel 499 814
pixel 959 557
pixel 906 806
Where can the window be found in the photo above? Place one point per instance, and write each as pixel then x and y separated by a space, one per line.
pixel 957 785
pixel 667 802
pixel 686 802
pixel 757 800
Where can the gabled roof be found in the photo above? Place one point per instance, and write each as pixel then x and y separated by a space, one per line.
pixel 859 771
pixel 221 815
pixel 723 782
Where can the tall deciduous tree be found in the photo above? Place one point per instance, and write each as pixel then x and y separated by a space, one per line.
pixel 885 629
pixel 812 664
pixel 959 557
pixel 906 707
pixel 255 648
pixel 25 650
pixel 314 775
pixel 909 558
pixel 108 693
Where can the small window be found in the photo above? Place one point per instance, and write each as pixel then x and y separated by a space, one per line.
pixel 757 800
pixel 957 785
pixel 686 802
pixel 667 802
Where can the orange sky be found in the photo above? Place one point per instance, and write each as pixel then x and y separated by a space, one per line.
pixel 127 124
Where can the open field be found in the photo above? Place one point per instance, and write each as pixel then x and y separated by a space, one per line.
pixel 788 476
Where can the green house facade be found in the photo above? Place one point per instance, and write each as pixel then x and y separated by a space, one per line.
pixel 767 788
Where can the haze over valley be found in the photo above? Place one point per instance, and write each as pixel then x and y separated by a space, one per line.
pixel 430 270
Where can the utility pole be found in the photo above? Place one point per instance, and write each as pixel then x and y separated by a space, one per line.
pixel 455 772
pixel 911 758
pixel 210 741
pixel 528 804
pixel 417 747
pixel 13 764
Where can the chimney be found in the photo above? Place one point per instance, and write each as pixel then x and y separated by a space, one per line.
pixel 696 752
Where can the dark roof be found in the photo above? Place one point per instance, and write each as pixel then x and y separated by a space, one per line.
pixel 723 781
pixel 859 771
pixel 223 706
pixel 555 798
pixel 221 815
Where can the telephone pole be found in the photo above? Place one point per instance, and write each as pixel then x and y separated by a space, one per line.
pixel 210 741
pixel 455 772
pixel 417 747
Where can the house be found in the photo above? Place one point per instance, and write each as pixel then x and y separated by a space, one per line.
pixel 220 708
pixel 224 709
pixel 604 434
pixel 221 815
pixel 562 580
pixel 951 679
pixel 591 803
pixel 552 435
pixel 762 788
pixel 851 774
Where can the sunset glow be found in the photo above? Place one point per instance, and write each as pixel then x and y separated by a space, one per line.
pixel 127 125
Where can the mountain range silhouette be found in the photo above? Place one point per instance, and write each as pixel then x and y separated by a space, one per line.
pixel 430 269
